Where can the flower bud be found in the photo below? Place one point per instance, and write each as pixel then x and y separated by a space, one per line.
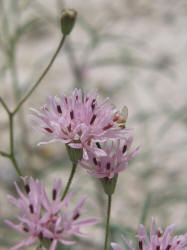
pixel 68 19
pixel 74 154
pixel 109 185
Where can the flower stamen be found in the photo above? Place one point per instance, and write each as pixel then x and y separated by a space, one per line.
pixel 72 115
pixel 49 130
pixel 93 119
pixel 59 109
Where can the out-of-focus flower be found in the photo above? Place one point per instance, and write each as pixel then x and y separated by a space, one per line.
pixel 116 159
pixel 42 220
pixel 79 121
pixel 158 240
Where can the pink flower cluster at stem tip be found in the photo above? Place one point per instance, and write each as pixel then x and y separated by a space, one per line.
pixel 115 160
pixel 158 240
pixel 79 121
pixel 42 219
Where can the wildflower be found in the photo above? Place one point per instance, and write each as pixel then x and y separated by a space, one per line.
pixel 42 220
pixel 158 240
pixel 79 121
pixel 106 168
pixel 116 159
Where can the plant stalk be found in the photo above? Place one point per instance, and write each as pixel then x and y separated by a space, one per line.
pixel 42 75
pixel 108 221
pixel 73 170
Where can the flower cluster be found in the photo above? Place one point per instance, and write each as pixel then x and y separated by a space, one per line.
pixel 115 160
pixel 159 240
pixel 80 121
pixel 42 219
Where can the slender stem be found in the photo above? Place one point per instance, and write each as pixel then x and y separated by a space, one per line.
pixel 11 123
pixel 108 221
pixel 4 106
pixel 70 180
pixel 11 134
pixel 42 75
pixel 12 156
pixel 4 154
pixel 145 209
pixel 14 162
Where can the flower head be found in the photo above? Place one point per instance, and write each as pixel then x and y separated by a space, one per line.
pixel 79 121
pixel 115 160
pixel 158 239
pixel 42 219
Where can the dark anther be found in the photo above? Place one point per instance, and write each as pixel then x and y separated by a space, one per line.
pixel 76 216
pixel 124 149
pixel 59 109
pixel 76 97
pixel 69 127
pixel 95 161
pixel 168 247
pixel 93 104
pixel 157 247
pixel 27 188
pixel 66 100
pixel 49 130
pixel 98 144
pixel 72 115
pixel 54 194
pixel 107 126
pixel 31 208
pixel 140 245
pixel 159 234
pixel 93 119
pixel 108 165
pixel 40 236
pixel 25 229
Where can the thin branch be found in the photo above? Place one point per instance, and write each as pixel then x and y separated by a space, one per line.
pixel 4 154
pixel 4 106
pixel 41 77
pixel 108 221
pixel 69 181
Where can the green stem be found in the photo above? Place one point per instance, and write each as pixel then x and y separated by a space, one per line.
pixel 12 156
pixel 70 180
pixel 4 154
pixel 41 77
pixel 16 166
pixel 145 209
pixel 108 221
pixel 11 133
pixel 4 106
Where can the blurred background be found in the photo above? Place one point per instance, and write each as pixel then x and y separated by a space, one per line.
pixel 135 52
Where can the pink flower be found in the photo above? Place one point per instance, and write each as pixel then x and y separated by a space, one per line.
pixel 116 159
pixel 30 205
pixel 79 121
pixel 158 239
pixel 42 219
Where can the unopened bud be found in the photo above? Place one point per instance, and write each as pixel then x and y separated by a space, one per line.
pixel 68 19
